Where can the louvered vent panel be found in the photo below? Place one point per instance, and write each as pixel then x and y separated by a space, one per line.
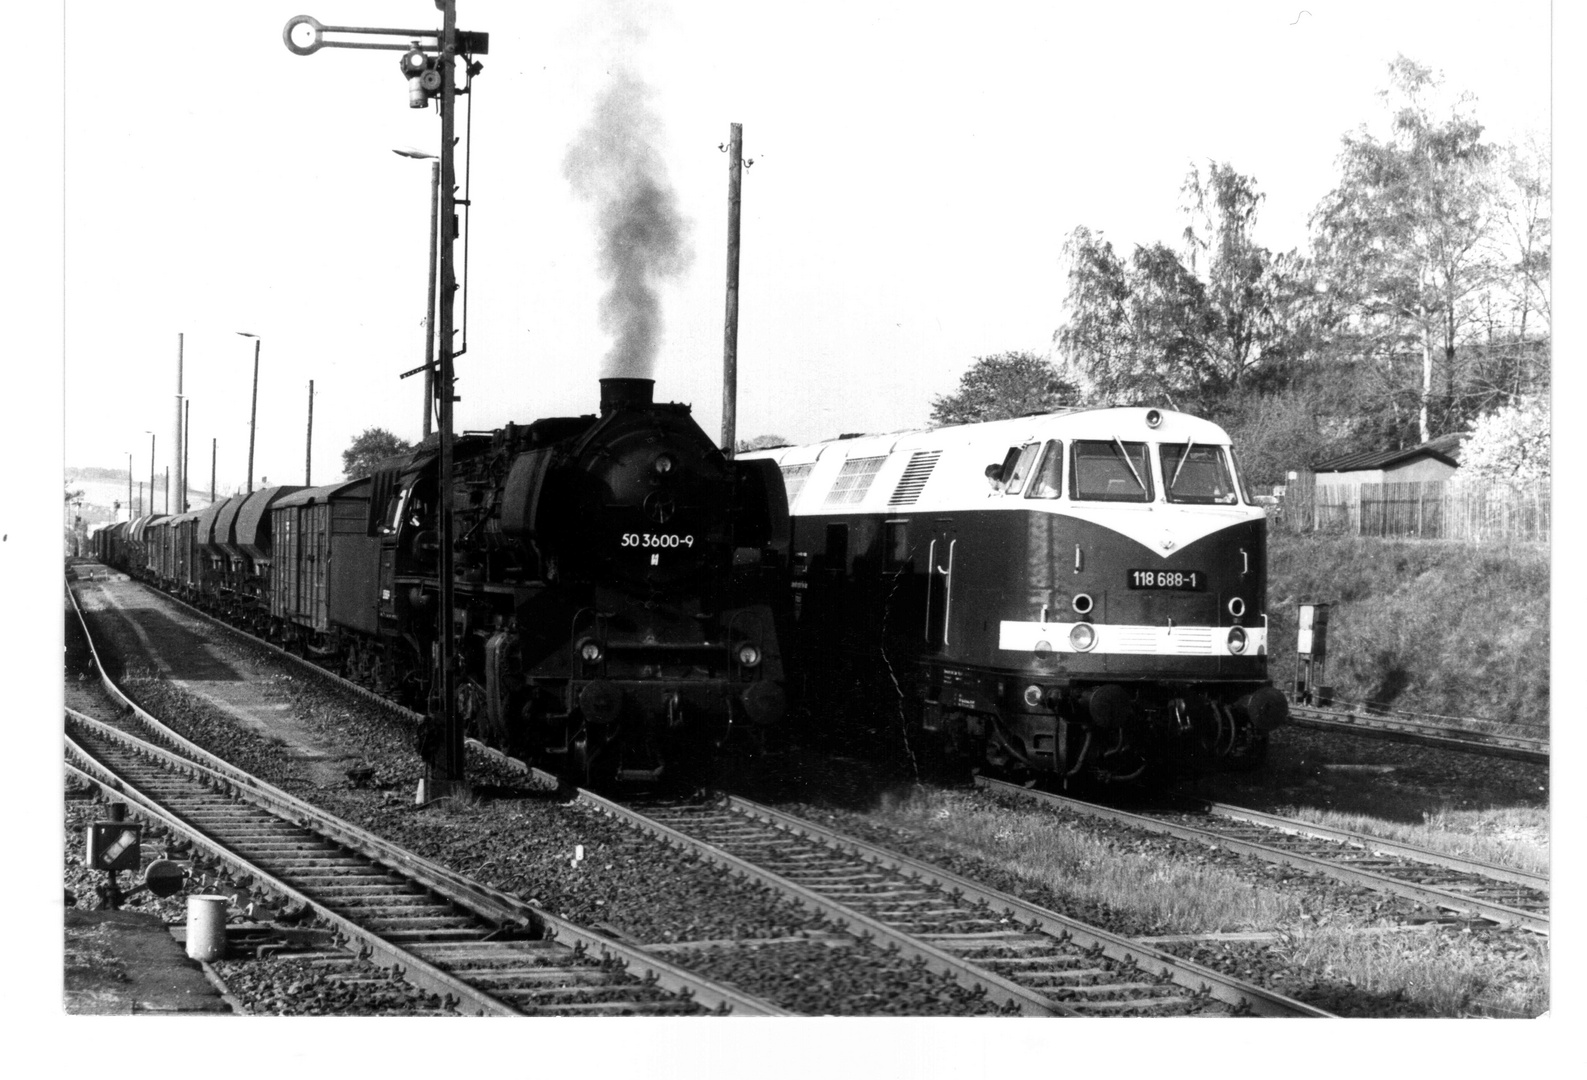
pixel 914 479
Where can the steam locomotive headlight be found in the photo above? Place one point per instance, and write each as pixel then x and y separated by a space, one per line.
pixel 748 655
pixel 1083 637
pixel 664 464
pixel 590 651
pixel 1236 640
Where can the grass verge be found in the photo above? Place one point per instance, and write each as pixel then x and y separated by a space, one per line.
pixel 1443 973
pixel 1452 629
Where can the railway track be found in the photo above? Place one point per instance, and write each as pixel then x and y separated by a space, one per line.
pixel 1027 959
pixel 1502 895
pixel 480 950
pixel 1490 744
pixel 484 952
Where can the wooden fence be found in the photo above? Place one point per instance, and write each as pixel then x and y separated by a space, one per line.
pixel 1458 509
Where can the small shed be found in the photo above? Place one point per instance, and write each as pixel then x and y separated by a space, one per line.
pixel 1437 459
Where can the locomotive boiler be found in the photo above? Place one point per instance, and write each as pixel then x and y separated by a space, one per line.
pixel 614 610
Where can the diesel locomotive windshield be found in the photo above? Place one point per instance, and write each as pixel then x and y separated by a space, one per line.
pixel 1201 476
pixel 1111 471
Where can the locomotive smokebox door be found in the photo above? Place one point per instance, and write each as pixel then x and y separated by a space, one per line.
pixel 114 845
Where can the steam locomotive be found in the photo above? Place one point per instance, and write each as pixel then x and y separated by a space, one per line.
pixel 1075 595
pixel 614 607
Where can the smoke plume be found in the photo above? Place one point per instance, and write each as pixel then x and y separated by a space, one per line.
pixel 614 165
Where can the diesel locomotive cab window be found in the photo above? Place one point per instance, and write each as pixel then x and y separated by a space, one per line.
pixel 1016 479
pixel 1047 483
pixel 1201 476
pixel 1109 471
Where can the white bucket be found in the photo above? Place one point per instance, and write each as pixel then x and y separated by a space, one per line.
pixel 206 926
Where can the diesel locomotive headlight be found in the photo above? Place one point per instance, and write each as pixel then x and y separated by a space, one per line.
pixel 748 655
pixel 1153 418
pixel 1083 637
pixel 1033 696
pixel 664 464
pixel 1236 640
pixel 590 651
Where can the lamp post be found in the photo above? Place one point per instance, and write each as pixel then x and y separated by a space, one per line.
pixel 253 410
pixel 429 308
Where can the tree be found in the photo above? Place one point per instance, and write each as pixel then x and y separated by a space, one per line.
pixel 1248 289
pixel 1136 331
pixel 1004 385
pixel 1191 331
pixel 1510 443
pixel 369 450
pixel 1401 236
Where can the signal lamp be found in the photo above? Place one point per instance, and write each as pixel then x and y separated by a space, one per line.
pixel 1083 637
pixel 1236 640
pixel 424 80
pixel 1033 696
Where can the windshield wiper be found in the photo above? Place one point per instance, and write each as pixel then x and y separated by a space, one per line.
pixel 1189 442
pixel 1129 463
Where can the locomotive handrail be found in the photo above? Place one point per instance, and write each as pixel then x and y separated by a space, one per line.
pixel 947 588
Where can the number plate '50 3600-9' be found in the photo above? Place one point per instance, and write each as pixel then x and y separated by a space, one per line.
pixel 1180 580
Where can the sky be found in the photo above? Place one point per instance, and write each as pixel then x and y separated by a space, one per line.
pixel 915 170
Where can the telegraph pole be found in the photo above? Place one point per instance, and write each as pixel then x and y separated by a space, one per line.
pixel 253 410
pixel 213 444
pixel 735 175
pixel 429 65
pixel 308 449
pixel 177 457
pixel 187 431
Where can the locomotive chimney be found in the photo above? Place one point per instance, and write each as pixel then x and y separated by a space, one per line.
pixel 625 394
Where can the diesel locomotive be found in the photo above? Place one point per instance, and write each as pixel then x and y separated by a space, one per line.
pixel 614 608
pixel 1072 595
